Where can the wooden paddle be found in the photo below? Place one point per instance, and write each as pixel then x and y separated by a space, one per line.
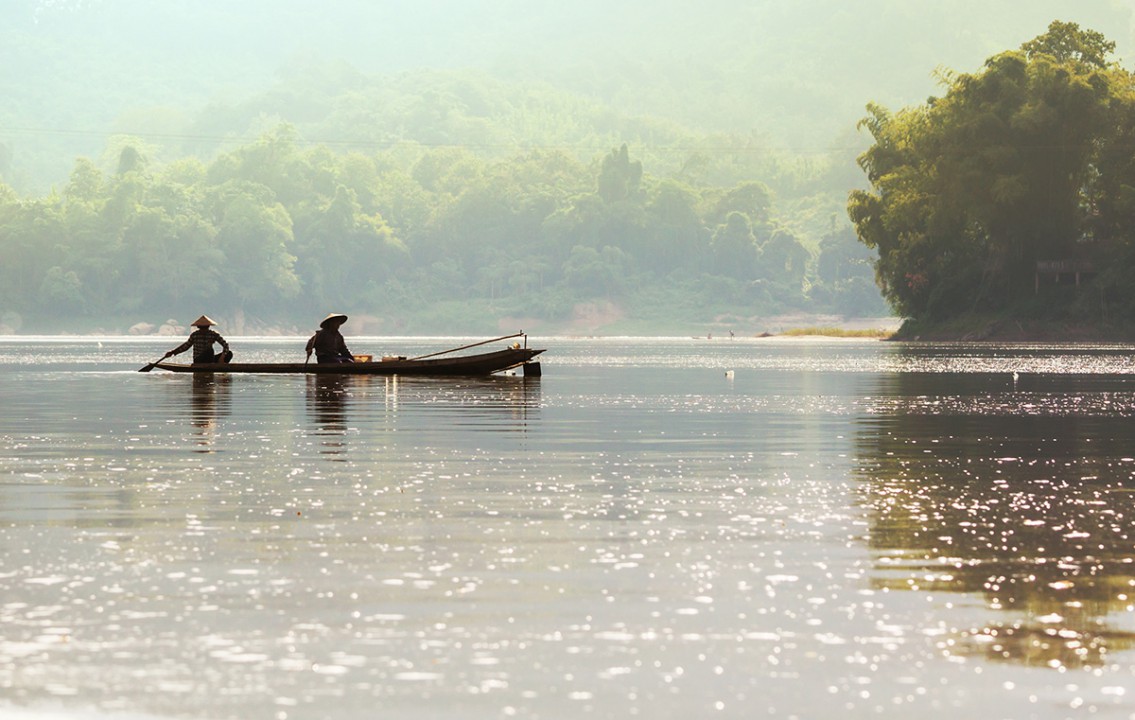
pixel 152 365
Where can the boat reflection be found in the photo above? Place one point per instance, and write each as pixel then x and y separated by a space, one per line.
pixel 495 402
pixel 341 405
pixel 211 400
pixel 326 404
pixel 975 486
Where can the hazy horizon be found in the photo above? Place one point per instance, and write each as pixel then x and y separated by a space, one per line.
pixel 795 75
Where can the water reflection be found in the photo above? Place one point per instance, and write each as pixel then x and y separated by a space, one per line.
pixel 338 406
pixel 326 405
pixel 498 402
pixel 978 485
pixel 211 400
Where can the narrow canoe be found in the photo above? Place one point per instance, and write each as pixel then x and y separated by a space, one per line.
pixel 481 364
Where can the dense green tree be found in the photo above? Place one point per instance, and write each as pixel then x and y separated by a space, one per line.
pixel 751 198
pixel 619 177
pixel 255 237
pixel 784 259
pixel 405 204
pixel 675 237
pixel 344 255
pixel 130 159
pixel 972 189
pixel 1067 42
pixel 62 290
pixel 273 161
pixel 32 239
pixel 735 251
pixel 447 171
pixel 595 273
pixel 842 257
pixel 85 184
pixel 94 237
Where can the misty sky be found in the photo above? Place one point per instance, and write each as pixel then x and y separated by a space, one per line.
pixel 81 66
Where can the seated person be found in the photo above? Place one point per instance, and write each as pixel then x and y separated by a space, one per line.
pixel 328 342
pixel 202 340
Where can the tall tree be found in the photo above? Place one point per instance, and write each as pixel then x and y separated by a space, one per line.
pixel 972 189
pixel 342 254
pixel 619 177
pixel 735 251
pixel 255 235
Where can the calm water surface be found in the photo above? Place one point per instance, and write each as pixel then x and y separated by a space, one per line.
pixel 668 528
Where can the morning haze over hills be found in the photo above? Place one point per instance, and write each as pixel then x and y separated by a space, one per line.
pixel 462 166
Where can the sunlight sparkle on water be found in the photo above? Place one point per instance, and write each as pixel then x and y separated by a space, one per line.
pixel 876 529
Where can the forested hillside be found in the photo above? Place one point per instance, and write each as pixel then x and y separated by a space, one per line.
pixel 444 166
pixel 418 239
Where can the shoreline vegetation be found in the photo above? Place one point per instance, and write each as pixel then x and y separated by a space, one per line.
pixel 837 332
pixel 975 329
pixel 612 323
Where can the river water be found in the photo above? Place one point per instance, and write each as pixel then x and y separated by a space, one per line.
pixel 656 528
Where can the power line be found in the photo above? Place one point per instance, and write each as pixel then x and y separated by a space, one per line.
pixel 231 139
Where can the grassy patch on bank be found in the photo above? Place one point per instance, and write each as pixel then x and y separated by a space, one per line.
pixel 877 333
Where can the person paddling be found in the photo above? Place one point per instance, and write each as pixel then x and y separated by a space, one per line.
pixel 328 342
pixel 202 340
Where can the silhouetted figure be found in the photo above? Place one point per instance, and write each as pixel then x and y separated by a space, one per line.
pixel 328 342
pixel 202 340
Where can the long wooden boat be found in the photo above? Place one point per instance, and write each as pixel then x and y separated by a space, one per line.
pixel 480 364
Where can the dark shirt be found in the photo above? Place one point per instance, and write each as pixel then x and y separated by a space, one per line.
pixel 328 342
pixel 201 340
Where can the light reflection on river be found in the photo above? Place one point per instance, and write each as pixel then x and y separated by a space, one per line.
pixel 1020 494
pixel 663 528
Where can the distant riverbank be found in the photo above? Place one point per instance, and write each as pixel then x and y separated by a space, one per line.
pixel 594 324
pixel 970 329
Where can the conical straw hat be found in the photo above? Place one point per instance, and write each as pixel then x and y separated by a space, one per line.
pixel 203 321
pixel 337 318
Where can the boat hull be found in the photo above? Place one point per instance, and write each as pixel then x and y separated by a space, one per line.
pixel 463 365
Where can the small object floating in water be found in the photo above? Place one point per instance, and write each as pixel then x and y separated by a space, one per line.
pixel 729 374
